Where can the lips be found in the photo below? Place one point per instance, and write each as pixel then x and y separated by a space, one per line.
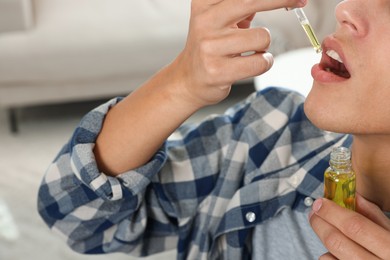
pixel 332 67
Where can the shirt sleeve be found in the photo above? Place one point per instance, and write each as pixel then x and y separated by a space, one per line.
pixel 147 210
pixel 97 213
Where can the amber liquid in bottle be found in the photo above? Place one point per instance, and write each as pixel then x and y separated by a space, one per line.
pixel 339 179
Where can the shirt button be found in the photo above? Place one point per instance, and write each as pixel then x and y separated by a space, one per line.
pixel 308 202
pixel 250 216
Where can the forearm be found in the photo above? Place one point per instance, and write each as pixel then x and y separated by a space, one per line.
pixel 202 74
pixel 91 209
pixel 137 126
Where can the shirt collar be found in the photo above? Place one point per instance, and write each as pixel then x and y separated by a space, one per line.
pixel 308 179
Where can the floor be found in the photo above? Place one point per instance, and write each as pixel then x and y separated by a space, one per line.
pixel 23 161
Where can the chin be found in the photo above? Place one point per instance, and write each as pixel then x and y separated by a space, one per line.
pixel 336 122
pixel 346 117
pixel 323 118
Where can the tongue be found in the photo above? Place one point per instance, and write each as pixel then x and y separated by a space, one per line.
pixel 341 73
pixel 340 70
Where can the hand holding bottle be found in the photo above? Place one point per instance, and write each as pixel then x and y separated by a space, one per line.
pixel 364 234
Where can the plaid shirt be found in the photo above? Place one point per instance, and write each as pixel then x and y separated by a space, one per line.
pixel 202 193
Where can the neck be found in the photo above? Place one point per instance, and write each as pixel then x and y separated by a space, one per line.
pixel 371 163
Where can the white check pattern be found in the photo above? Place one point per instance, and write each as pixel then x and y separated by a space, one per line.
pixel 197 192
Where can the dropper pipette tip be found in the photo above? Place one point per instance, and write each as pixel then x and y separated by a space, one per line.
pixel 302 18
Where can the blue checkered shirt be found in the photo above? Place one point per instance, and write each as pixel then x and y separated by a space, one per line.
pixel 202 193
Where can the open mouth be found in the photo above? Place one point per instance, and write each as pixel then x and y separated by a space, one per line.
pixel 332 62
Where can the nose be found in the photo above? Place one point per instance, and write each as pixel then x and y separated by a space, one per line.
pixel 352 15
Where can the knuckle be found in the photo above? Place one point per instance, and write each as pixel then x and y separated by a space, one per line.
pixel 326 256
pixel 212 72
pixel 292 3
pixel 200 21
pixel 333 242
pixel 211 68
pixel 248 2
pixel 195 25
pixel 386 254
pixel 261 65
pixel 354 226
pixel 207 60
pixel 206 47
pixel 264 37
pixel 211 63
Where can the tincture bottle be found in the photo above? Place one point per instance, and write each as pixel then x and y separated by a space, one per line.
pixel 339 178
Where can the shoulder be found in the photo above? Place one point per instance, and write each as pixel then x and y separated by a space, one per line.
pixel 275 106
pixel 278 98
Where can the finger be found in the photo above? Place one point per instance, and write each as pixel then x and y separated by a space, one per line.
pixel 234 11
pixel 372 211
pixel 241 41
pixel 354 226
pixel 246 22
pixel 251 65
pixel 204 4
pixel 327 256
pixel 233 69
pixel 339 245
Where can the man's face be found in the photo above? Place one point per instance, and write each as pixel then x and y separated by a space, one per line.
pixel 354 96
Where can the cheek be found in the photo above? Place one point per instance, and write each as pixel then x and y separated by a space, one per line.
pixel 376 111
pixel 373 96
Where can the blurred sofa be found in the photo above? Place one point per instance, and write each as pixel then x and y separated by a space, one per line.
pixel 55 51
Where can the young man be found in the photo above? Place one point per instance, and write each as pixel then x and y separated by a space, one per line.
pixel 238 185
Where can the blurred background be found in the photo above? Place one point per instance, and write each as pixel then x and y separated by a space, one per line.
pixel 61 58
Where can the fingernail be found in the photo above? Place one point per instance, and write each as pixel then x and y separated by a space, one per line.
pixel 310 214
pixel 317 205
pixel 270 58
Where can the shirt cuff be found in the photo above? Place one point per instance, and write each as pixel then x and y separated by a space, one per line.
pixel 85 167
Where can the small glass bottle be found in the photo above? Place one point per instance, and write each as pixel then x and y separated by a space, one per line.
pixel 339 179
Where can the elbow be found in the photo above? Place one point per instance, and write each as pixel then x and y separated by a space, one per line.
pixel 48 207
